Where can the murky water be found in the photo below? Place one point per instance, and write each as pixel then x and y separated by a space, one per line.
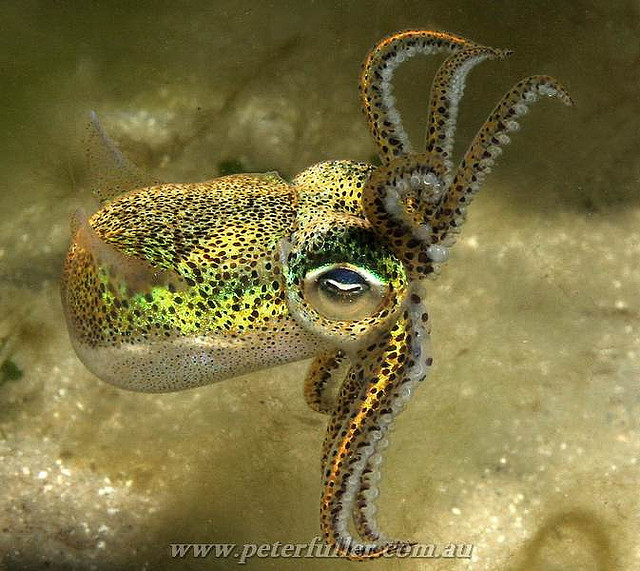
pixel 525 440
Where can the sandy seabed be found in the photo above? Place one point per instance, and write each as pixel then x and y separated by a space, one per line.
pixel 525 439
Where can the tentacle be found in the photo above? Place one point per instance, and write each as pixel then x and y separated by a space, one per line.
pixel 385 373
pixel 323 372
pixel 376 96
pixel 351 447
pixel 446 91
pixel 397 200
pixel 348 393
pixel 365 509
pixel 486 147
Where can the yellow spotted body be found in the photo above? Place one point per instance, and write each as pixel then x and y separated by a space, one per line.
pixel 182 283
pixel 229 279
pixel 173 286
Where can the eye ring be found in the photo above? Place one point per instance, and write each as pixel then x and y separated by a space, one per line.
pixel 344 292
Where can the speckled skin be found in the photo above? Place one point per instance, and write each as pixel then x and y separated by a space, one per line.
pixel 173 286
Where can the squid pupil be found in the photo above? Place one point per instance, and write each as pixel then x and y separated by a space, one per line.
pixel 343 284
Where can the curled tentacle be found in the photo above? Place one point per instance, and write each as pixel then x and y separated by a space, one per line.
pixel 398 199
pixel 412 201
pixel 409 202
pixel 402 196
pixel 321 375
pixel 384 376
pixel 376 95
pixel 486 146
pixel 446 91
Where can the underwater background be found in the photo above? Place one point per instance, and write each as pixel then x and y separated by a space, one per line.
pixel 525 439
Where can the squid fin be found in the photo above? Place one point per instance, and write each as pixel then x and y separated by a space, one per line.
pixel 133 274
pixel 111 174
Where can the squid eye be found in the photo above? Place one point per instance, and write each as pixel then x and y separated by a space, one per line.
pixel 344 292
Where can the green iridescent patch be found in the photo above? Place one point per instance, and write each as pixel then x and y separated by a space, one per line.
pixel 346 244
